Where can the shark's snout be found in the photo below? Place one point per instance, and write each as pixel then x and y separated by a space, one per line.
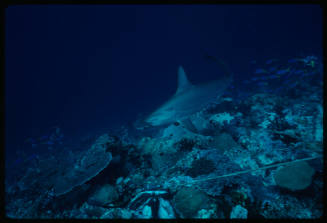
pixel 153 121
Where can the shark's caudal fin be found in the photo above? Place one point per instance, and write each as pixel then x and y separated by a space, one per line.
pixel 183 82
pixel 227 72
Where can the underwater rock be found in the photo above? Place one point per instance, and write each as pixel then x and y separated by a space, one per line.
pixel 136 179
pixel 146 145
pixel 162 152
pixel 265 109
pixel 104 195
pixel 117 213
pixel 200 121
pixel 92 211
pixel 205 214
pixel 239 212
pixel 175 183
pixel 260 147
pixel 186 144
pixel 307 120
pixel 201 166
pixel 221 118
pixel 297 176
pixel 188 201
pixel 162 161
pixel 287 206
pixel 223 142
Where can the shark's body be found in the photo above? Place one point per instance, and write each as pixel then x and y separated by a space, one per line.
pixel 188 99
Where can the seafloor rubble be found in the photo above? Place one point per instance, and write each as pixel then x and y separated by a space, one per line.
pixel 255 157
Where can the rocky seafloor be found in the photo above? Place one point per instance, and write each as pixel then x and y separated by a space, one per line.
pixel 254 153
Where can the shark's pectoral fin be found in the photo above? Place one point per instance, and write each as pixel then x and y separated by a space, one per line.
pixel 183 82
pixel 188 124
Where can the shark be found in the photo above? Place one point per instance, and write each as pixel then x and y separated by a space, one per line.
pixel 188 99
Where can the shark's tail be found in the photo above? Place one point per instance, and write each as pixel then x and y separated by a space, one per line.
pixel 228 74
pixel 227 71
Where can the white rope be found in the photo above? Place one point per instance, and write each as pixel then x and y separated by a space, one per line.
pixel 261 168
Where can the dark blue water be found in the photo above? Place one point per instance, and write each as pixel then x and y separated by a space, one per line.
pixel 87 68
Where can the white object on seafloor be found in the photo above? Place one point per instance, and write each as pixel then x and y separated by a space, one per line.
pixel 165 210
pixel 221 118
pixel 147 212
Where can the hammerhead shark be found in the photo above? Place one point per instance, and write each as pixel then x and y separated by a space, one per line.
pixel 188 99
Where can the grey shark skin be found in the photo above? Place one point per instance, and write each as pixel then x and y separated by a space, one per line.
pixel 188 99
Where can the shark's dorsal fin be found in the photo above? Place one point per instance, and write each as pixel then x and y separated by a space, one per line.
pixel 183 82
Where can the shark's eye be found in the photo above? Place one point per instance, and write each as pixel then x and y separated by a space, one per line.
pixel 176 123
